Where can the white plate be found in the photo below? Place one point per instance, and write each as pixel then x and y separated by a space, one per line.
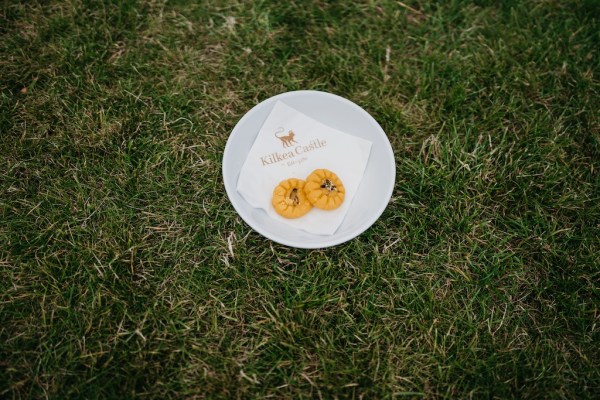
pixel 373 193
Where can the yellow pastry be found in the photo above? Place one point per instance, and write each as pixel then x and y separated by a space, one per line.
pixel 324 189
pixel 289 199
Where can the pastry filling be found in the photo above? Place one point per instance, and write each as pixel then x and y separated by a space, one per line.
pixel 328 185
pixel 294 197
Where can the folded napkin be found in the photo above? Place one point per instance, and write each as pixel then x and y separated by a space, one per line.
pixel 291 145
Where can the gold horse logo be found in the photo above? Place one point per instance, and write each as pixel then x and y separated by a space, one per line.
pixel 286 140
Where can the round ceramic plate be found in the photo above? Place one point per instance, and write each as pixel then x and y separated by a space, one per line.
pixel 373 193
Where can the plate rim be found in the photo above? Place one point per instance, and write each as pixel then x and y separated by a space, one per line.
pixel 327 242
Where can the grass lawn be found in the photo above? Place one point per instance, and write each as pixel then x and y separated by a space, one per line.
pixel 125 272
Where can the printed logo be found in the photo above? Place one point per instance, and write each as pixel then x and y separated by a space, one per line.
pixel 294 153
pixel 286 140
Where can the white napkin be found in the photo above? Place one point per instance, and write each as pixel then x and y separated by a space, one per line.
pixel 291 145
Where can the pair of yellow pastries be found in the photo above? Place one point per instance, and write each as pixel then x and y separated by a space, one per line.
pixel 293 198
